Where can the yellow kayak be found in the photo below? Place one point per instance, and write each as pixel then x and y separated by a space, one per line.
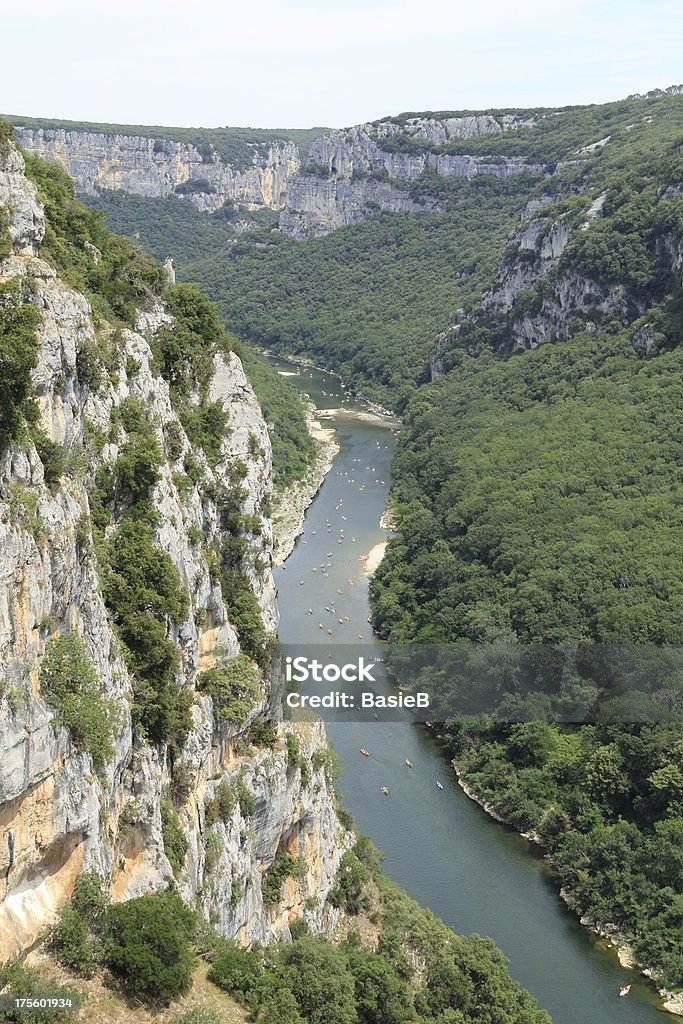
pixel 409 763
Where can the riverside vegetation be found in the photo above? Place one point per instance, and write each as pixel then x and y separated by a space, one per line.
pixel 536 488
pixel 147 947
pixel 150 945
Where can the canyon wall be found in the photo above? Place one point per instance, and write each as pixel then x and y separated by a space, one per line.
pixel 60 812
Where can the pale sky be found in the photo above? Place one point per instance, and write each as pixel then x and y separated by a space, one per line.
pixel 316 62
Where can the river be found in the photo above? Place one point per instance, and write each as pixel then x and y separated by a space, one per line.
pixel 475 874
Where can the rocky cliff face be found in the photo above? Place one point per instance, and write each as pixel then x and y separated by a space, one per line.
pixel 355 168
pixel 371 147
pixel 358 168
pixel 532 264
pixel 317 206
pixel 157 167
pixel 59 814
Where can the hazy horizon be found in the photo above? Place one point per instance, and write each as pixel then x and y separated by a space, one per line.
pixel 313 63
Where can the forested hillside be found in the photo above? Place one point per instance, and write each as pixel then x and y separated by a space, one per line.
pixel 530 333
pixel 539 500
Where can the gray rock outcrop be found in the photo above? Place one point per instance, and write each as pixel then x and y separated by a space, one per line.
pixel 158 167
pixel 59 814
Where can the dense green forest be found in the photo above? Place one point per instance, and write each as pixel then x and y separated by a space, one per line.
pixel 538 500
pixel 538 497
pixel 401 275
pixel 168 226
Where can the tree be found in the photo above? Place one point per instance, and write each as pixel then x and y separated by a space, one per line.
pixel 280 1008
pixel 147 941
pixel 233 685
pixel 382 997
pixel 18 356
pixel 317 975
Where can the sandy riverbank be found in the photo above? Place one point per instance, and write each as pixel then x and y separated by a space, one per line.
pixel 361 416
pixel 375 556
pixel 290 506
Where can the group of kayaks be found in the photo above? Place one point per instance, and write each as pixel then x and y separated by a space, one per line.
pixel 385 789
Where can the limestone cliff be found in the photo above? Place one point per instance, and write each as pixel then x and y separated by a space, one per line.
pixel 59 812
pixel 354 170
pixel 161 167
pixel 317 206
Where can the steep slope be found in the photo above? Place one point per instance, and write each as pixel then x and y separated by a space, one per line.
pixel 249 167
pixel 136 621
pixel 537 489
pixel 408 277
pixel 98 794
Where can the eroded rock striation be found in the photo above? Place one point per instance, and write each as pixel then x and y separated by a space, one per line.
pixel 348 176
pixel 60 813
pixel 161 167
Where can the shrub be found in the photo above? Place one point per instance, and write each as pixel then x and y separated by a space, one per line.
pixel 221 806
pixel 136 471
pixel 18 356
pixel 233 685
pixel 351 881
pixel 142 587
pixel 51 455
pixel 243 607
pixel 280 1007
pixel 175 840
pixel 245 798
pixel 70 684
pixel 284 866
pixel 73 938
pixel 240 972
pixel 182 781
pixel 147 942
pixel 175 442
pixel 262 733
pixel 206 426
pixel 317 975
pixel 293 748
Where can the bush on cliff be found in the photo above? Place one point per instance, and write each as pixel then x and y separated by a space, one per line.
pixel 233 684
pixel 70 684
pixel 18 356
pixel 148 944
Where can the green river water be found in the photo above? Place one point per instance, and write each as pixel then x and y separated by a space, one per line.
pixel 474 873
